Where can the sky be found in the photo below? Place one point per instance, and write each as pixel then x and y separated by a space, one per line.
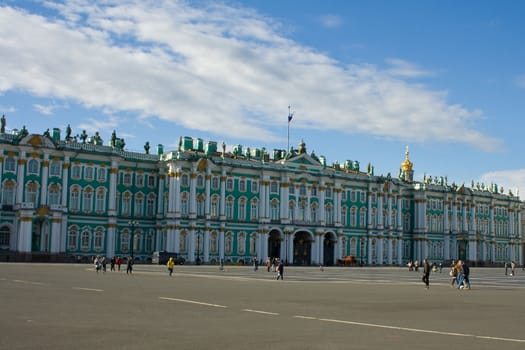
pixel 364 79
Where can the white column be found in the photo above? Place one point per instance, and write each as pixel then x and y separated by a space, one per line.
pixel 284 198
pixel 321 216
pixel 193 196
pixel 20 179
pixel 222 206
pixel 379 247
pixel 380 220
pixel 221 244
pixel 45 179
pixel 65 184
pixel 206 246
pixel 399 251
pixel 191 240
pixel 207 203
pixel 112 200
pixel 160 195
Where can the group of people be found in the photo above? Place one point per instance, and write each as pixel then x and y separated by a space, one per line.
pixel 100 263
pixel 459 273
pixel 275 265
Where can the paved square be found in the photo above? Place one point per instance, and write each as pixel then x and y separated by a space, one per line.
pixel 48 306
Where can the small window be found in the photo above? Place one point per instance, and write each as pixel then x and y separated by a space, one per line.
pixel 229 185
pixel 215 183
pixel 200 181
pixel 75 172
pixel 274 187
pixel 255 186
pixel 292 189
pixel 242 185
pixel 140 180
pixel 184 180
pixel 126 180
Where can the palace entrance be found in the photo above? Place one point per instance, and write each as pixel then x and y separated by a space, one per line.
pixel 329 249
pixel 274 244
pixel 302 248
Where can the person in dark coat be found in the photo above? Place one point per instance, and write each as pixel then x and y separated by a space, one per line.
pixel 280 270
pixel 426 273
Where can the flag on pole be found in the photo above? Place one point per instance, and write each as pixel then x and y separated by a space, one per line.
pixel 290 117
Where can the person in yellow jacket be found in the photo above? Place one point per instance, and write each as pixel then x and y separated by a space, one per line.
pixel 171 265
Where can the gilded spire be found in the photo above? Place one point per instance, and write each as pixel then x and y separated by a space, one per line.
pixel 407 164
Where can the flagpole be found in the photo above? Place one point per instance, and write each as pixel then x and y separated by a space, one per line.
pixel 288 122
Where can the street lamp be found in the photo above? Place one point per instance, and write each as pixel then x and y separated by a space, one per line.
pixel 132 223
pixel 198 261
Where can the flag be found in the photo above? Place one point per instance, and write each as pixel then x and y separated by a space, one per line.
pixel 290 117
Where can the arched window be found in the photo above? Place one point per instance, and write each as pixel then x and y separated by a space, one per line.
pixel 149 241
pixel 85 240
pixel 126 204
pixel 228 243
pixel 8 193
pixel 229 208
pixel 213 243
pixel 184 208
pixel 32 192
pixel 254 209
pixel 100 204
pixel 72 238
pixel 214 207
pixel 139 204
pixel 150 205
pixel 184 180
pixel 242 209
pixel 274 187
pixel 99 239
pixel 362 218
pixel 10 164
pixel 274 209
pixel 200 180
pixel 32 167
pixel 87 200
pixel 53 194
pixel 241 244
pixel 253 243
pixel 54 168
pixel 74 199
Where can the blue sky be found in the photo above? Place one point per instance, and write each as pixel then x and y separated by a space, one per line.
pixel 364 78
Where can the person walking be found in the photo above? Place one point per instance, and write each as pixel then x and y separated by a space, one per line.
pixel 512 268
pixel 426 273
pixel 280 270
pixel 453 276
pixel 118 261
pixel 129 268
pixel 112 264
pixel 171 265
pixel 465 272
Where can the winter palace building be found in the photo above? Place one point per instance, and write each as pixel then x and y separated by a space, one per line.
pixel 69 198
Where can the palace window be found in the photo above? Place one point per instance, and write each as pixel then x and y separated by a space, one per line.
pixel 362 198
pixel 362 218
pixel 149 241
pixel 200 181
pixel 242 209
pixel 32 192
pixel 8 193
pixel 72 239
pixel 100 203
pixel 32 167
pixel 353 217
pixel 151 180
pixel 241 246
pixel 126 204
pixel 54 168
pixel 101 174
pixel 75 172
pixel 353 196
pixel 255 186
pixel 88 173
pixel 328 192
pixel 329 215
pixel 87 200
pixel 99 239
pixel 314 191
pixel 139 180
pixel 85 239
pixel 126 179
pixel 274 209
pixel 184 180
pixel 274 187
pixel 184 205
pixel 53 194
pixel 10 164
pixel 229 208
pixel 214 207
pixel 74 199
pixel 4 237
pixel 292 189
pixel 242 185
pixel 139 204
pixel 253 243
pixel 302 190
pixel 254 210
pixel 215 183
pixel 213 243
pixel 150 205
pixel 229 185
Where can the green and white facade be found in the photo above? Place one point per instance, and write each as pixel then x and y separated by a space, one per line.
pixel 64 198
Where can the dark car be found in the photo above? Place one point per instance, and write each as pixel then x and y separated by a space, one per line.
pixel 162 258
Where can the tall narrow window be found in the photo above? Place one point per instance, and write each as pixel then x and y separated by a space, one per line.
pixel 101 201
pixel 32 167
pixel 150 206
pixel 53 195
pixel 32 192
pixel 99 239
pixel 54 168
pixel 8 193
pixel 10 164
pixel 87 200
pixel 74 199
pixel 72 239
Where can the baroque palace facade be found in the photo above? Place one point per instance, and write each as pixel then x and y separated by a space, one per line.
pixel 67 199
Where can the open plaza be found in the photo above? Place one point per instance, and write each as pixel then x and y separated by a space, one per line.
pixel 65 306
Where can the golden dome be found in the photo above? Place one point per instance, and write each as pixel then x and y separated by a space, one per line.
pixel 407 164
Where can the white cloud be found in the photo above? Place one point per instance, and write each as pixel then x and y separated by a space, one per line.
pixel 331 21
pixel 405 69
pixel 513 180
pixel 216 69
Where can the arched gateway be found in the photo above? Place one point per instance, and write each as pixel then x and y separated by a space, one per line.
pixel 302 248
pixel 329 243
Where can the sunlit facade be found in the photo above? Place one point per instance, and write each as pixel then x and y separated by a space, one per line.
pixel 64 199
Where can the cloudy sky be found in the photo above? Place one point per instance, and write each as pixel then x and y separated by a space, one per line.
pixel 364 78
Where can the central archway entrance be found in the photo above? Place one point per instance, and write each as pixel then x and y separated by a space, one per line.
pixel 274 244
pixel 302 248
pixel 329 249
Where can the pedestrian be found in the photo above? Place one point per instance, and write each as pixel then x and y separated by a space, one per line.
pixel 104 264
pixel 461 276
pixel 171 265
pixel 268 264
pixel 465 272
pixel 280 270
pixel 440 267
pixel 118 261
pixel 97 263
pixel 112 264
pixel 221 266
pixel 453 275
pixel 426 273
pixel 255 264
pixel 129 268
pixel 506 268
pixel 512 268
